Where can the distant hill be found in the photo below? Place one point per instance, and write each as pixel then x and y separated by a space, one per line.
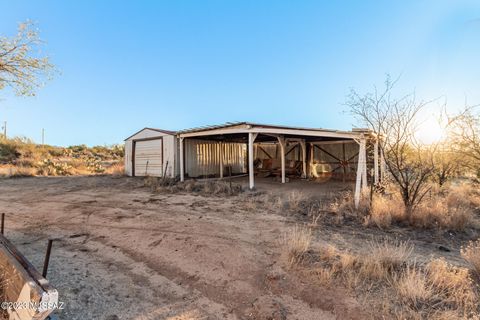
pixel 22 157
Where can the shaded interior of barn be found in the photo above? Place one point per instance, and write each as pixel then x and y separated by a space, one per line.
pixel 324 158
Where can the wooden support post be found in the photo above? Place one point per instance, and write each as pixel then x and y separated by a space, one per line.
pixel 304 158
pixel 375 161
pixel 361 181
pixel 281 142
pixel 182 164
pixel 220 147
pixel 310 163
pixel 251 174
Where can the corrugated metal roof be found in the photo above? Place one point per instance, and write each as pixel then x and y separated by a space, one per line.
pixel 232 124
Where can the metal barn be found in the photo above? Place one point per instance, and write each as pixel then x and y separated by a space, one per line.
pixel 256 150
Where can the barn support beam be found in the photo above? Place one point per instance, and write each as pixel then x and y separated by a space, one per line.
pixel 220 152
pixel 303 146
pixel 251 174
pixel 361 181
pixel 182 164
pixel 310 161
pixel 375 161
pixel 281 142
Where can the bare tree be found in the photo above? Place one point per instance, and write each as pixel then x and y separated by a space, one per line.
pixel 465 133
pixel 447 163
pixel 395 121
pixel 21 66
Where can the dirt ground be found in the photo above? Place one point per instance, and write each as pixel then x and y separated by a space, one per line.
pixel 123 252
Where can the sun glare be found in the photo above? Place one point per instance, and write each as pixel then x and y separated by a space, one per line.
pixel 430 131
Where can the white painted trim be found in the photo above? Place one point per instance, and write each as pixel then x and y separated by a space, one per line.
pixel 361 181
pixel 251 174
pixel 304 158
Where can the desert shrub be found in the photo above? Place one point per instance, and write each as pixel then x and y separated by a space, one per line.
pixel 295 245
pixel 471 253
pixel 94 164
pixel 48 167
pixel 8 152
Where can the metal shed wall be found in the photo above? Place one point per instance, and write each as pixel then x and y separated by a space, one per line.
pixel 202 157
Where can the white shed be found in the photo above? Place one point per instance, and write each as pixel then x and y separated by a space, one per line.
pixel 151 152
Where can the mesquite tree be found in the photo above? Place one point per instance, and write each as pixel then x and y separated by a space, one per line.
pixel 22 67
pixel 395 121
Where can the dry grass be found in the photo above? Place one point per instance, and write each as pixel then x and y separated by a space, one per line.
pixel 345 204
pixel 440 213
pixel 17 171
pixel 451 209
pixel 464 194
pixel 388 254
pixel 296 244
pixel 395 286
pixel 452 284
pixel 384 211
pixel 206 188
pixel 413 287
pixel 116 169
pixel 471 253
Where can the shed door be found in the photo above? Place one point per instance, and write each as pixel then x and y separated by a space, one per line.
pixel 149 158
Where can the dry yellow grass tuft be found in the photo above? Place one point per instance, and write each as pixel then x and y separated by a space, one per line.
pixel 117 169
pixel 442 213
pixel 463 194
pixel 389 254
pixel 296 244
pixel 471 253
pixel 294 200
pixel 385 210
pixel 453 285
pixel 413 287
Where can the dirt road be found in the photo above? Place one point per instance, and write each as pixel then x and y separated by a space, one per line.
pixel 122 252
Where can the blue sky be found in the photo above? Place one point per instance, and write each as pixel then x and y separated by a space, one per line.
pixel 177 64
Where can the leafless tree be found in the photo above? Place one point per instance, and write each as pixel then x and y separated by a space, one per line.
pixel 395 120
pixel 465 134
pixel 21 66
pixel 447 163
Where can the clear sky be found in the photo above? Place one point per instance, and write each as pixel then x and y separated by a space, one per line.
pixel 176 64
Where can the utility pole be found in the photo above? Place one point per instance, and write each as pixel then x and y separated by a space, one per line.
pixel 4 129
pixel 43 136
